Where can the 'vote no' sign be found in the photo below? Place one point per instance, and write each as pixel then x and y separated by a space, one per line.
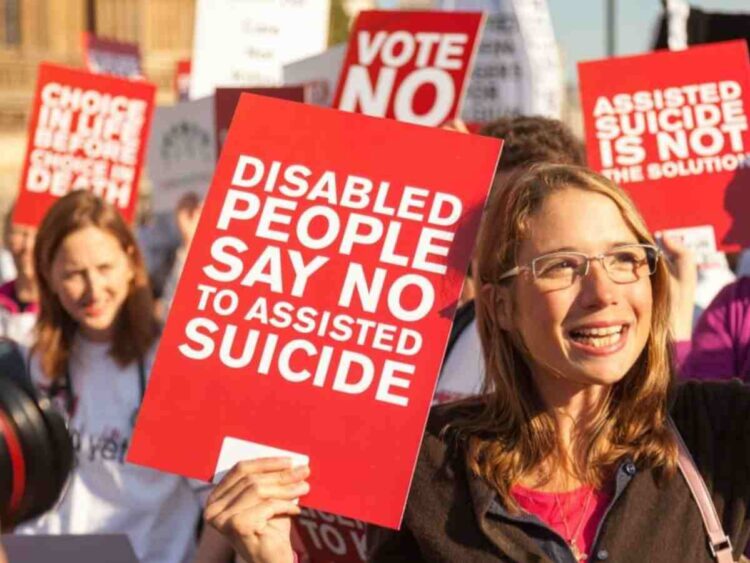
pixel 411 66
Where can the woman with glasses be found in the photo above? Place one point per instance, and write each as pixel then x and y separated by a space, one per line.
pixel 572 455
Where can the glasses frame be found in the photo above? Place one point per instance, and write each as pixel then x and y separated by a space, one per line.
pixel 531 266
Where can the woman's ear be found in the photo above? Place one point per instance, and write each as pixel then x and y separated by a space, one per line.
pixel 502 299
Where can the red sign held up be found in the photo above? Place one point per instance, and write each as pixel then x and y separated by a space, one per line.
pixel 331 539
pixel 410 66
pixel 118 58
pixel 316 302
pixel 86 131
pixel 226 100
pixel 672 130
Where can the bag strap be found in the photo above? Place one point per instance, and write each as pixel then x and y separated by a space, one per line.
pixel 718 542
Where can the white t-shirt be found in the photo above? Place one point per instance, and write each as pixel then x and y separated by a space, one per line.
pixel 462 374
pixel 158 511
pixel 18 326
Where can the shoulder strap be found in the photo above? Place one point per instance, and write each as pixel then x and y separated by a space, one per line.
pixel 718 541
pixel 141 378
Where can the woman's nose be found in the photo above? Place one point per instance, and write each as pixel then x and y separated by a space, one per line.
pixel 597 288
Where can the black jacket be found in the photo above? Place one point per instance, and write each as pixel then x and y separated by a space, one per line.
pixel 453 516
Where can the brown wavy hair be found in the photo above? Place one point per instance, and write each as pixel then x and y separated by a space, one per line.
pixel 514 433
pixel 136 326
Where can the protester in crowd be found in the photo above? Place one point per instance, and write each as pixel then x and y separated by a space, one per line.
pixel 573 456
pixel 720 346
pixel 95 345
pixel 158 239
pixel 187 213
pixel 19 296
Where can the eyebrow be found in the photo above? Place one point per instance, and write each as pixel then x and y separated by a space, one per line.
pixel 574 249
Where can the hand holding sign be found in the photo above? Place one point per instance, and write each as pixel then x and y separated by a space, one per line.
pixel 253 504
pixel 682 286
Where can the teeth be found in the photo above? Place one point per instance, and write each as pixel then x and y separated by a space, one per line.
pixel 598 337
pixel 599 341
pixel 604 331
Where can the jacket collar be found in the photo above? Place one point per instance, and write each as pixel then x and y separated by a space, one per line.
pixel 508 538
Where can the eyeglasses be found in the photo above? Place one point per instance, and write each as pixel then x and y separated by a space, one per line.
pixel 559 270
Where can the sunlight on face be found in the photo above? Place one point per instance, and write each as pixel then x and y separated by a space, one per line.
pixel 91 276
pixel 593 331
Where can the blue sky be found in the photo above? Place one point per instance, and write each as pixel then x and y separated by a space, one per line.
pixel 579 26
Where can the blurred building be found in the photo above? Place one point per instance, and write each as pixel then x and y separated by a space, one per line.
pixel 32 31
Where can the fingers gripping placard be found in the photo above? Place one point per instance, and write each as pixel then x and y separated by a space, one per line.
pixel 317 298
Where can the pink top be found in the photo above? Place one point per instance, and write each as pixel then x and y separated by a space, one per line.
pixel 9 300
pixel 582 508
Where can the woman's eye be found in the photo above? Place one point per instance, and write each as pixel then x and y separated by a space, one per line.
pixel 628 258
pixel 558 267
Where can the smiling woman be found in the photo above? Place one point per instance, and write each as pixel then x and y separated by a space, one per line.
pixel 572 454
pixel 95 343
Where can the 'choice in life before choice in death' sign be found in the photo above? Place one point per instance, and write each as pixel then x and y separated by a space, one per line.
pixel 86 132
pixel 316 301
pixel 671 128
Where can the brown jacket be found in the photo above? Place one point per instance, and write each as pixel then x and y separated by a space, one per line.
pixel 454 516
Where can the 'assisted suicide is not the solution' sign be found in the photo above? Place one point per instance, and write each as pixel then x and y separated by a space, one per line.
pixel 317 299
pixel 672 129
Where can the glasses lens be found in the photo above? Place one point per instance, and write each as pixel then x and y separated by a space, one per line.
pixel 630 263
pixel 557 271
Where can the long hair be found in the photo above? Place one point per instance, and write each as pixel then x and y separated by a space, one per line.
pixel 135 328
pixel 514 433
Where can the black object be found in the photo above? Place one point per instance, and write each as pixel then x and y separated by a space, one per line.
pixel 36 453
pixel 707 27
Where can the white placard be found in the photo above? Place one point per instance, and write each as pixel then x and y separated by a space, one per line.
pixel 234 450
pixel 320 72
pixel 517 70
pixel 700 240
pixel 181 151
pixel 246 42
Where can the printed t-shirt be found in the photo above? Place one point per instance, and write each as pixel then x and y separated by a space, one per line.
pixel 158 511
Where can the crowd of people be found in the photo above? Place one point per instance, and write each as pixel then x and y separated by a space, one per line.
pixel 572 377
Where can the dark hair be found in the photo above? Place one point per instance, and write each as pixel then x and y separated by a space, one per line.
pixel 532 139
pixel 136 326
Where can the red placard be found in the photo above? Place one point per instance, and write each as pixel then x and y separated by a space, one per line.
pixel 411 66
pixel 671 128
pixel 86 131
pixel 331 539
pixel 105 56
pixel 226 100
pixel 317 299
pixel 182 79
